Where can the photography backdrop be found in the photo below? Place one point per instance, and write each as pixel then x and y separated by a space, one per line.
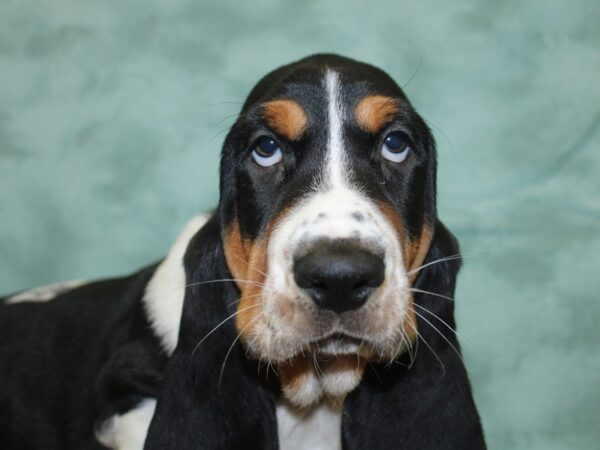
pixel 112 114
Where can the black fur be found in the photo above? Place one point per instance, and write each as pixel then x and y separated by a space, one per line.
pixel 426 405
pixel 199 409
pixel 68 364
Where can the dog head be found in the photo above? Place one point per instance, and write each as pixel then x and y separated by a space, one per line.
pixel 327 205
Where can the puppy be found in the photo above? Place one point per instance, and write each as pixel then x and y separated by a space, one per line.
pixel 312 309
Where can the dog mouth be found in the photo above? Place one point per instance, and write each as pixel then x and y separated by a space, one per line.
pixel 337 344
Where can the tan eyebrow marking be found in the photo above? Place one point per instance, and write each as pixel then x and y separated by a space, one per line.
pixel 286 117
pixel 373 112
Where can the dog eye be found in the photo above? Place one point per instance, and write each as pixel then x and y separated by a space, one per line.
pixel 395 147
pixel 266 152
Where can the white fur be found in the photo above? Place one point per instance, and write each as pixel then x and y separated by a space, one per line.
pixel 338 383
pixel 128 431
pixel 165 292
pixel 316 429
pixel 44 293
pixel 335 144
pixel 306 393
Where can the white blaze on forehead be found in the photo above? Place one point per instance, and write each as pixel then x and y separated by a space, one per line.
pixel 335 141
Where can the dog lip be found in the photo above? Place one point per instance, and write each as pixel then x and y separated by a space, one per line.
pixel 325 344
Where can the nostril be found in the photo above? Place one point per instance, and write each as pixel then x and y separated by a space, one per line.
pixel 359 286
pixel 317 287
pixel 363 287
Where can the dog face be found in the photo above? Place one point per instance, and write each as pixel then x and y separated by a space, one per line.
pixel 327 201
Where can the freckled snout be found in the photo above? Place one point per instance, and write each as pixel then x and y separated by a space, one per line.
pixel 339 277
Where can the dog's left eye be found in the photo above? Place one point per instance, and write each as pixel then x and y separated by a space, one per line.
pixel 395 147
pixel 266 152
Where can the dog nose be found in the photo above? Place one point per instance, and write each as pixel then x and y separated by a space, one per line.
pixel 339 278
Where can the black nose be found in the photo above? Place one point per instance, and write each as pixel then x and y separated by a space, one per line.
pixel 339 278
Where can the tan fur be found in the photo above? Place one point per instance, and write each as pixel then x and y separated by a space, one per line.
pixel 417 251
pixel 414 253
pixel 374 112
pixel 299 381
pixel 304 383
pixel 286 117
pixel 247 261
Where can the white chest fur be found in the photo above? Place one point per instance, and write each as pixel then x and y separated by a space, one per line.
pixel 316 429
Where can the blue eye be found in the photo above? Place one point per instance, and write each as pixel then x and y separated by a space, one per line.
pixel 266 152
pixel 395 147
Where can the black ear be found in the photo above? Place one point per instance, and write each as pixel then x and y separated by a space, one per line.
pixel 427 404
pixel 207 402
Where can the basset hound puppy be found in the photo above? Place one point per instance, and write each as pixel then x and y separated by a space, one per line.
pixel 312 310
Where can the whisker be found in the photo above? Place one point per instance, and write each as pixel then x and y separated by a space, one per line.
pixel 224 280
pixel 443 322
pixel 243 298
pixel 270 364
pixel 361 346
pixel 411 347
pixel 404 344
pixel 435 294
pixel 375 373
pixel 433 125
pixel 437 261
pixel 264 362
pixel 263 330
pixel 316 365
pixel 226 117
pixel 441 334
pixel 461 255
pixel 248 264
pixel 220 132
pixel 221 324
pixel 416 344
pixel 231 348
pixel 431 349
pixel 417 70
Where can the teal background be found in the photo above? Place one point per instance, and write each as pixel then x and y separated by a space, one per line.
pixel 112 114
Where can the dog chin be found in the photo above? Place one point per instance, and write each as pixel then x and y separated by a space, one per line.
pixel 329 379
pixel 328 370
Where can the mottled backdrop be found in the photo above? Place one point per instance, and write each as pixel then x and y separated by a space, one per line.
pixel 112 114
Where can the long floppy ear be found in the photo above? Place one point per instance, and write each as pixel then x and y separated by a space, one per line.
pixel 427 404
pixel 213 397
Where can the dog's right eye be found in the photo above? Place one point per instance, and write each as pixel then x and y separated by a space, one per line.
pixel 266 152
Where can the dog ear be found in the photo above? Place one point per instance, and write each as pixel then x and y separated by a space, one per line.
pixel 213 397
pixel 423 403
